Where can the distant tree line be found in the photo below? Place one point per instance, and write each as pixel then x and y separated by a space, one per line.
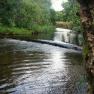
pixel 30 14
pixel 69 14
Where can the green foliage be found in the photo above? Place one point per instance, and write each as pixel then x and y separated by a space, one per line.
pixel 29 14
pixel 60 16
pixel 14 30
pixel 8 10
pixel 53 16
pixel 85 50
pixel 71 8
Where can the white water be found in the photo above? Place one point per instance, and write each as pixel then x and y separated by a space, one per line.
pixel 68 36
pixel 62 35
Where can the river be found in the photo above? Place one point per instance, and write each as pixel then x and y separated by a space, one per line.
pixel 35 68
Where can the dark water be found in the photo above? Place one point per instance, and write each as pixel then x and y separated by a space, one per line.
pixel 33 68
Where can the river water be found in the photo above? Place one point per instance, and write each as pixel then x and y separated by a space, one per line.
pixel 34 68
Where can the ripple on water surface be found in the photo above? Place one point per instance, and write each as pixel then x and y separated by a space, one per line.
pixel 33 68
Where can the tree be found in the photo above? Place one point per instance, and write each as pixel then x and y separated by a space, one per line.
pixel 87 19
pixel 27 14
pixel 69 14
pixel 8 11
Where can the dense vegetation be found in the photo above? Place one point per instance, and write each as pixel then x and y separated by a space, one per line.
pixel 69 15
pixel 25 15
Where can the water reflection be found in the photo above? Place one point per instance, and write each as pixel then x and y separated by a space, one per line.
pixel 33 68
pixel 57 60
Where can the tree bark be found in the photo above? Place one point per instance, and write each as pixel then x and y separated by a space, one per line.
pixel 87 19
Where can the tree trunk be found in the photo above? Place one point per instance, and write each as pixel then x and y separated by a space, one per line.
pixel 87 19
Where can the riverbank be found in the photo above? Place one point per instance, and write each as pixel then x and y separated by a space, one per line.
pixel 50 42
pixel 6 31
pixel 14 31
pixel 39 37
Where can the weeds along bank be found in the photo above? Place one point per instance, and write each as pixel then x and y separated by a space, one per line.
pixel 25 16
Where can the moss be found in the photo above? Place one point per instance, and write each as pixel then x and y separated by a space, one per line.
pixel 85 50
pixel 24 31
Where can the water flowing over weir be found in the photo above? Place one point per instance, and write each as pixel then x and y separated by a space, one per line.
pixel 62 38
pixel 62 35
pixel 68 36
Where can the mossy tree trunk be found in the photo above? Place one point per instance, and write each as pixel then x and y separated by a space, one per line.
pixel 87 19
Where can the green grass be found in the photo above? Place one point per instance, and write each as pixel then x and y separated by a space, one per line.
pixel 15 32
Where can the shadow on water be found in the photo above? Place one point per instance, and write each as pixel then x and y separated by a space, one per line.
pixel 75 58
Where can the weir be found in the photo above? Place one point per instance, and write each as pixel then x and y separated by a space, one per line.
pixel 62 35
pixel 68 36
pixel 63 38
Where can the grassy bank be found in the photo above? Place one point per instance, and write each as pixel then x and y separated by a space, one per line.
pixel 44 32
pixel 11 31
pixel 14 31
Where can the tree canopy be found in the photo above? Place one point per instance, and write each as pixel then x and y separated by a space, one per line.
pixel 26 13
pixel 71 8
